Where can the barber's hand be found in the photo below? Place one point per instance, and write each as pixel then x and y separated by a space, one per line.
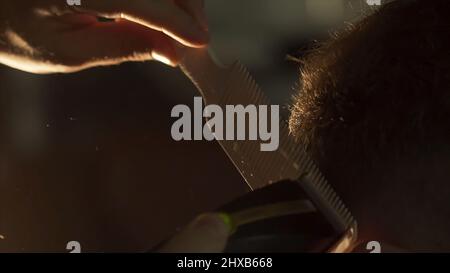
pixel 206 234
pixel 47 36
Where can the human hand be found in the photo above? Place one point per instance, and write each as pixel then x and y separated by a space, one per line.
pixel 49 36
pixel 206 234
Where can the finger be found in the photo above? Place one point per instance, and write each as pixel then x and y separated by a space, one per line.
pixel 77 20
pixel 196 8
pixel 207 234
pixel 159 15
pixel 113 43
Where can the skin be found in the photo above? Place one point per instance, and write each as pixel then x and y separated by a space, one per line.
pixel 49 36
pixel 370 111
pixel 208 233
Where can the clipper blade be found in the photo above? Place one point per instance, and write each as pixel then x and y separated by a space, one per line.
pixel 234 85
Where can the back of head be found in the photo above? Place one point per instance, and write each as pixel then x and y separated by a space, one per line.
pixel 373 110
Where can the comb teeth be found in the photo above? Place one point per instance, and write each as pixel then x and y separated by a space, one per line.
pixel 259 168
pixel 326 199
pixel 289 162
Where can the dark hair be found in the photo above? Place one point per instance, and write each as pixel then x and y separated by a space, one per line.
pixel 381 87
pixel 377 94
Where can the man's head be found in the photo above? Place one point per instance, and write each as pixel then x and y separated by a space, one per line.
pixel 374 112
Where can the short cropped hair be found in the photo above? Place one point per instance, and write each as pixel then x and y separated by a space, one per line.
pixel 377 94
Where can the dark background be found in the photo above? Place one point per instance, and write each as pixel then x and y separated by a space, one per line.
pixel 88 157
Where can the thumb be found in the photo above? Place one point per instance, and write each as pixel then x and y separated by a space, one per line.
pixel 206 234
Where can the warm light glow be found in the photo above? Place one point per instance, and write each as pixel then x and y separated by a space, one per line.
pixel 17 41
pixel 347 242
pixel 161 58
